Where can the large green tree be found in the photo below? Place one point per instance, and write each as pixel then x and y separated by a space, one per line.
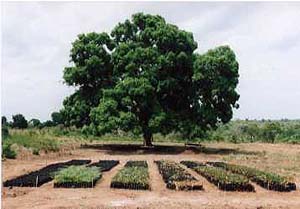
pixel 146 77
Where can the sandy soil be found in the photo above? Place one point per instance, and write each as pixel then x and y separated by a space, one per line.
pixel 282 158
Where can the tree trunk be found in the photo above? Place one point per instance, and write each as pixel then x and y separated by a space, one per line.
pixel 148 137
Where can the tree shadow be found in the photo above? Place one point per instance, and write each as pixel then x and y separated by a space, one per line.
pixel 136 149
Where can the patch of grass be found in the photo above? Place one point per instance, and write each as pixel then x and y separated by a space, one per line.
pixel 74 176
pixel 34 141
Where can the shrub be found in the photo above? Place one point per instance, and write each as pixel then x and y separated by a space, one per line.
pixel 77 176
pixel 267 180
pixel 36 151
pixel 176 177
pixel 7 152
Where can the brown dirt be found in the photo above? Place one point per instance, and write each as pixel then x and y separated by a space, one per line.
pixel 281 158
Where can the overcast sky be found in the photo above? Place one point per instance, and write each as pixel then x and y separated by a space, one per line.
pixel 36 40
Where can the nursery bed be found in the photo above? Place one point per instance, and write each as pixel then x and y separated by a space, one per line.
pixel 105 165
pixel 134 175
pixel 270 181
pixel 176 177
pixel 41 176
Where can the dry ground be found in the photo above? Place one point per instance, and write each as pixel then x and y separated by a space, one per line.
pixel 280 158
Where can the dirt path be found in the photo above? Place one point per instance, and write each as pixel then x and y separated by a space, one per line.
pixel 102 196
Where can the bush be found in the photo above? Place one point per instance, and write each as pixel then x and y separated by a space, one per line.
pixel 7 152
pixel 77 176
pixel 36 151
pixel 267 180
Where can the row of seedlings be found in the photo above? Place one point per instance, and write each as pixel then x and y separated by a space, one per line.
pixel 41 176
pixel 270 181
pixel 176 177
pixel 223 179
pixel 134 175
pixel 83 176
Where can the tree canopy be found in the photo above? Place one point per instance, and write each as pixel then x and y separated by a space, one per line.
pixel 145 77
pixel 19 121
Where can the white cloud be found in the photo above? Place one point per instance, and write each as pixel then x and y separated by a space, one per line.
pixel 36 39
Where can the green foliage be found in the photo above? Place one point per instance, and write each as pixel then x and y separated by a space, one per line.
pixel 47 123
pixel 270 130
pixel 254 130
pixel 4 132
pixel 7 152
pixel 57 118
pixel 34 141
pixel 146 78
pixel 77 174
pixel 35 123
pixel 19 121
pixel 3 121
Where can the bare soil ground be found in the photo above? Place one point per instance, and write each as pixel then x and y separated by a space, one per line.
pixel 280 158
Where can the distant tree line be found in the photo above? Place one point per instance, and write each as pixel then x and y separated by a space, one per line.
pixel 20 122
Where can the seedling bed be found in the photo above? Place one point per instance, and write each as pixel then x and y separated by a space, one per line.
pixel 270 181
pixel 136 164
pixel 41 176
pixel 224 180
pixel 192 164
pixel 176 177
pixel 134 175
pixel 77 177
pixel 105 165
